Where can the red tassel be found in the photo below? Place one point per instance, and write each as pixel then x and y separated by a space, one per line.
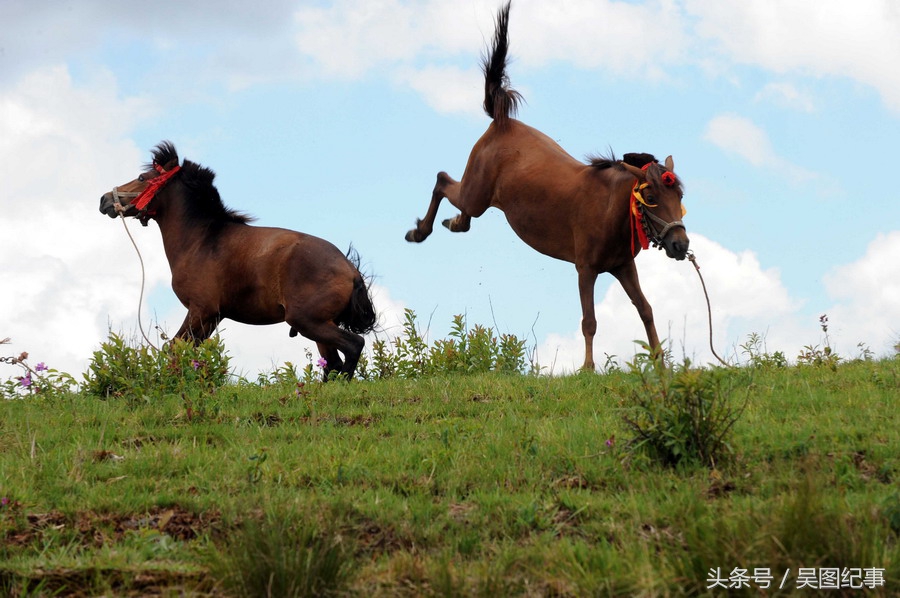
pixel 153 187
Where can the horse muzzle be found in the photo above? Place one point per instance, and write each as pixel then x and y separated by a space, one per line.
pixel 676 243
pixel 111 204
pixel 108 205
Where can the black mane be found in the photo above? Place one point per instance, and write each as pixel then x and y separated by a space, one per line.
pixel 601 162
pixel 204 202
pixel 638 160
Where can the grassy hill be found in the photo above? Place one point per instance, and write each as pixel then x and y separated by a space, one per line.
pixel 453 484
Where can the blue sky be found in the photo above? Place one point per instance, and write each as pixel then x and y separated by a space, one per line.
pixel 334 117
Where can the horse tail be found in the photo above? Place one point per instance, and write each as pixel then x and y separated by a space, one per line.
pixel 500 101
pixel 359 315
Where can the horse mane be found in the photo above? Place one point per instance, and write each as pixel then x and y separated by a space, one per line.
pixel 205 202
pixel 602 162
pixel 638 160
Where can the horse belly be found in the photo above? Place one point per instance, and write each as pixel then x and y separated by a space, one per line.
pixel 252 304
pixel 550 235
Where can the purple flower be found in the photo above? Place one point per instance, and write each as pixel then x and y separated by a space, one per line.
pixel 610 441
pixel 195 364
pixel 41 367
pixel 322 363
pixel 4 501
pixel 26 380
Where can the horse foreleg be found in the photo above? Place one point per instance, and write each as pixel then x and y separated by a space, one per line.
pixel 197 326
pixel 444 187
pixel 627 276
pixel 587 277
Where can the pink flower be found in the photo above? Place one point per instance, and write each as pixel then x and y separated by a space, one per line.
pixel 195 364
pixel 41 367
pixel 322 363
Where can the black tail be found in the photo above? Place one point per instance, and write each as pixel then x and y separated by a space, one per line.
pixel 499 100
pixel 359 315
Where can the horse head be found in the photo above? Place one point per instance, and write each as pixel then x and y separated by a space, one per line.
pixel 134 197
pixel 657 196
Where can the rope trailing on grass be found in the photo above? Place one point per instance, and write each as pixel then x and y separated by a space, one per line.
pixel 693 260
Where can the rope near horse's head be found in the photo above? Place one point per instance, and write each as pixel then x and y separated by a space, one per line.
pixel 120 209
pixel 693 260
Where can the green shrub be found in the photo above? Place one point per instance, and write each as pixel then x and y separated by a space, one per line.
pixel 680 415
pixel 468 351
pixel 121 369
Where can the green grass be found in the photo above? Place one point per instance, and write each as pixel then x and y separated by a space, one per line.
pixel 489 484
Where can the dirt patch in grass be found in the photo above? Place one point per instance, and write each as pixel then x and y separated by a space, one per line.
pixel 97 529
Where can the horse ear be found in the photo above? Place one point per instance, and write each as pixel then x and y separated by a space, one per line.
pixel 670 164
pixel 637 172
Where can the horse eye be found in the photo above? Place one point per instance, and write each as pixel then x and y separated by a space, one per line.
pixel 141 178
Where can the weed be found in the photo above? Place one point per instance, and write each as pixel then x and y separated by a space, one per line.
pixel 281 556
pixel 680 415
pixel 467 351
pixel 758 355
pixel 824 357
pixel 891 512
pixel 39 379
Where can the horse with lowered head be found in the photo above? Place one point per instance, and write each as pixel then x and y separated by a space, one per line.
pixel 222 267
pixel 597 216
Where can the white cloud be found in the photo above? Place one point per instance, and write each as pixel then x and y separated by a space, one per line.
pixel 739 135
pixel 67 269
pixel 446 89
pixel 866 293
pixel 788 96
pixel 809 37
pixel 350 38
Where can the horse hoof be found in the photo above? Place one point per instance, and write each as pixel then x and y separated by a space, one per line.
pixel 414 236
pixel 453 225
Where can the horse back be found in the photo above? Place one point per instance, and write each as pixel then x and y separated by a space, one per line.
pixel 551 200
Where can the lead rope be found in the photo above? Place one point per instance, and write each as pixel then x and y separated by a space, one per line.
pixel 121 211
pixel 693 260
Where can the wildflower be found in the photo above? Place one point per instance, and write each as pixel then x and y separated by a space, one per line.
pixel 322 363
pixel 611 441
pixel 4 501
pixel 195 364
pixel 26 380
pixel 40 367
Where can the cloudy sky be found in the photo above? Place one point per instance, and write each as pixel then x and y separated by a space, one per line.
pixel 333 117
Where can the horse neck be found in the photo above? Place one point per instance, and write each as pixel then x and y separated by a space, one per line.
pixel 181 234
pixel 619 185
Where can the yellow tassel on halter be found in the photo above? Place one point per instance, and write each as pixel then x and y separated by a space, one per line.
pixel 637 194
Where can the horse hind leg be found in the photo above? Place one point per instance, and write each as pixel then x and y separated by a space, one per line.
pixel 445 186
pixel 331 339
pixel 333 361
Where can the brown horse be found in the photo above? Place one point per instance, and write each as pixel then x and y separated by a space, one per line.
pixel 224 268
pixel 597 215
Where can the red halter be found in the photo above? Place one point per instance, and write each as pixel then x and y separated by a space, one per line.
pixel 143 199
